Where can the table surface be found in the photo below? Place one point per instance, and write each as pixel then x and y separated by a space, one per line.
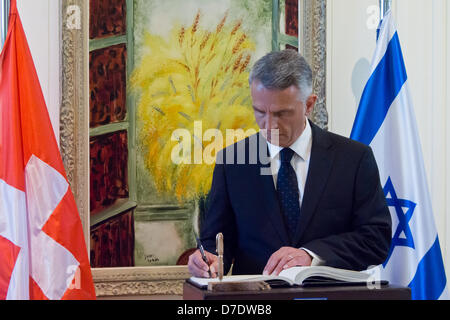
pixel 387 292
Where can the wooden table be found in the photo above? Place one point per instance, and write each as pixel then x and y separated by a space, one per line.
pixel 388 292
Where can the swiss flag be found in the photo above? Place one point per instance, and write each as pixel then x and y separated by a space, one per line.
pixel 43 254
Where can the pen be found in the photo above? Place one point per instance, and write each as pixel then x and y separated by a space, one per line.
pixel 202 251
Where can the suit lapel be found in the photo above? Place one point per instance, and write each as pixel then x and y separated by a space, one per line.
pixel 322 156
pixel 267 195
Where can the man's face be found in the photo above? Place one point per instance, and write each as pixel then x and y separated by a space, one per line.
pixel 281 110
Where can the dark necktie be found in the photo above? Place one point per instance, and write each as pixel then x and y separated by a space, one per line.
pixel 288 193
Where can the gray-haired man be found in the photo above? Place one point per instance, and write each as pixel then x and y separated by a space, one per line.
pixel 323 202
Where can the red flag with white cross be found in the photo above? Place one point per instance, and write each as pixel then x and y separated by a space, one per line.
pixel 43 254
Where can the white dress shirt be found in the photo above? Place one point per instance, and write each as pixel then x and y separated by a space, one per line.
pixel 300 162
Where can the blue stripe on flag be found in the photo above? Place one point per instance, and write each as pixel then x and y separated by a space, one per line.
pixel 380 92
pixel 429 281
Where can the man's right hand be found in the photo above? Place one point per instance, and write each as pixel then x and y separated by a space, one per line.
pixel 198 268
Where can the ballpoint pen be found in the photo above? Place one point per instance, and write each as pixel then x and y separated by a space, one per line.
pixel 202 251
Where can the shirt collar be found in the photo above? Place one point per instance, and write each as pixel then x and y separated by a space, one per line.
pixel 301 146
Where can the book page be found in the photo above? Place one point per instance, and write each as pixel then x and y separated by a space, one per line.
pixel 205 281
pixel 292 273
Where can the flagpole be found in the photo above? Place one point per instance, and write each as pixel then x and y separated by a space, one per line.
pixel 5 18
pixel 385 6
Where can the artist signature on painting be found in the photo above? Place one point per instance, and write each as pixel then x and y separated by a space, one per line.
pixel 150 258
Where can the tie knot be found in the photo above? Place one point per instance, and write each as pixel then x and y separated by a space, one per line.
pixel 286 155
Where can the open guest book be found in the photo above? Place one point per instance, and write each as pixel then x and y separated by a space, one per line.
pixel 302 276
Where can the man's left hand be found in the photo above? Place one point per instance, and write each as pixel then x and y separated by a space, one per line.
pixel 286 258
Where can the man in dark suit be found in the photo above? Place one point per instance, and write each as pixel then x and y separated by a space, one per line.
pixel 310 198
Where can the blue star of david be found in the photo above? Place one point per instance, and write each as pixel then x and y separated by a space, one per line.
pixel 403 219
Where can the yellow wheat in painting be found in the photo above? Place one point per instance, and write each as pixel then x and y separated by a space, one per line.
pixel 194 75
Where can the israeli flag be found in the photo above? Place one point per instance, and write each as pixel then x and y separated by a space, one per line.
pixel 386 121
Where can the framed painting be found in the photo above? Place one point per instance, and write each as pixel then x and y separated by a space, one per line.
pixel 133 73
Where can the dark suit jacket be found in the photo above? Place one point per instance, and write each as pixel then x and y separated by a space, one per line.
pixel 343 219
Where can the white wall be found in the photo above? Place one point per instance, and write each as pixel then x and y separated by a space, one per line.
pixel 424 31
pixel 40 19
